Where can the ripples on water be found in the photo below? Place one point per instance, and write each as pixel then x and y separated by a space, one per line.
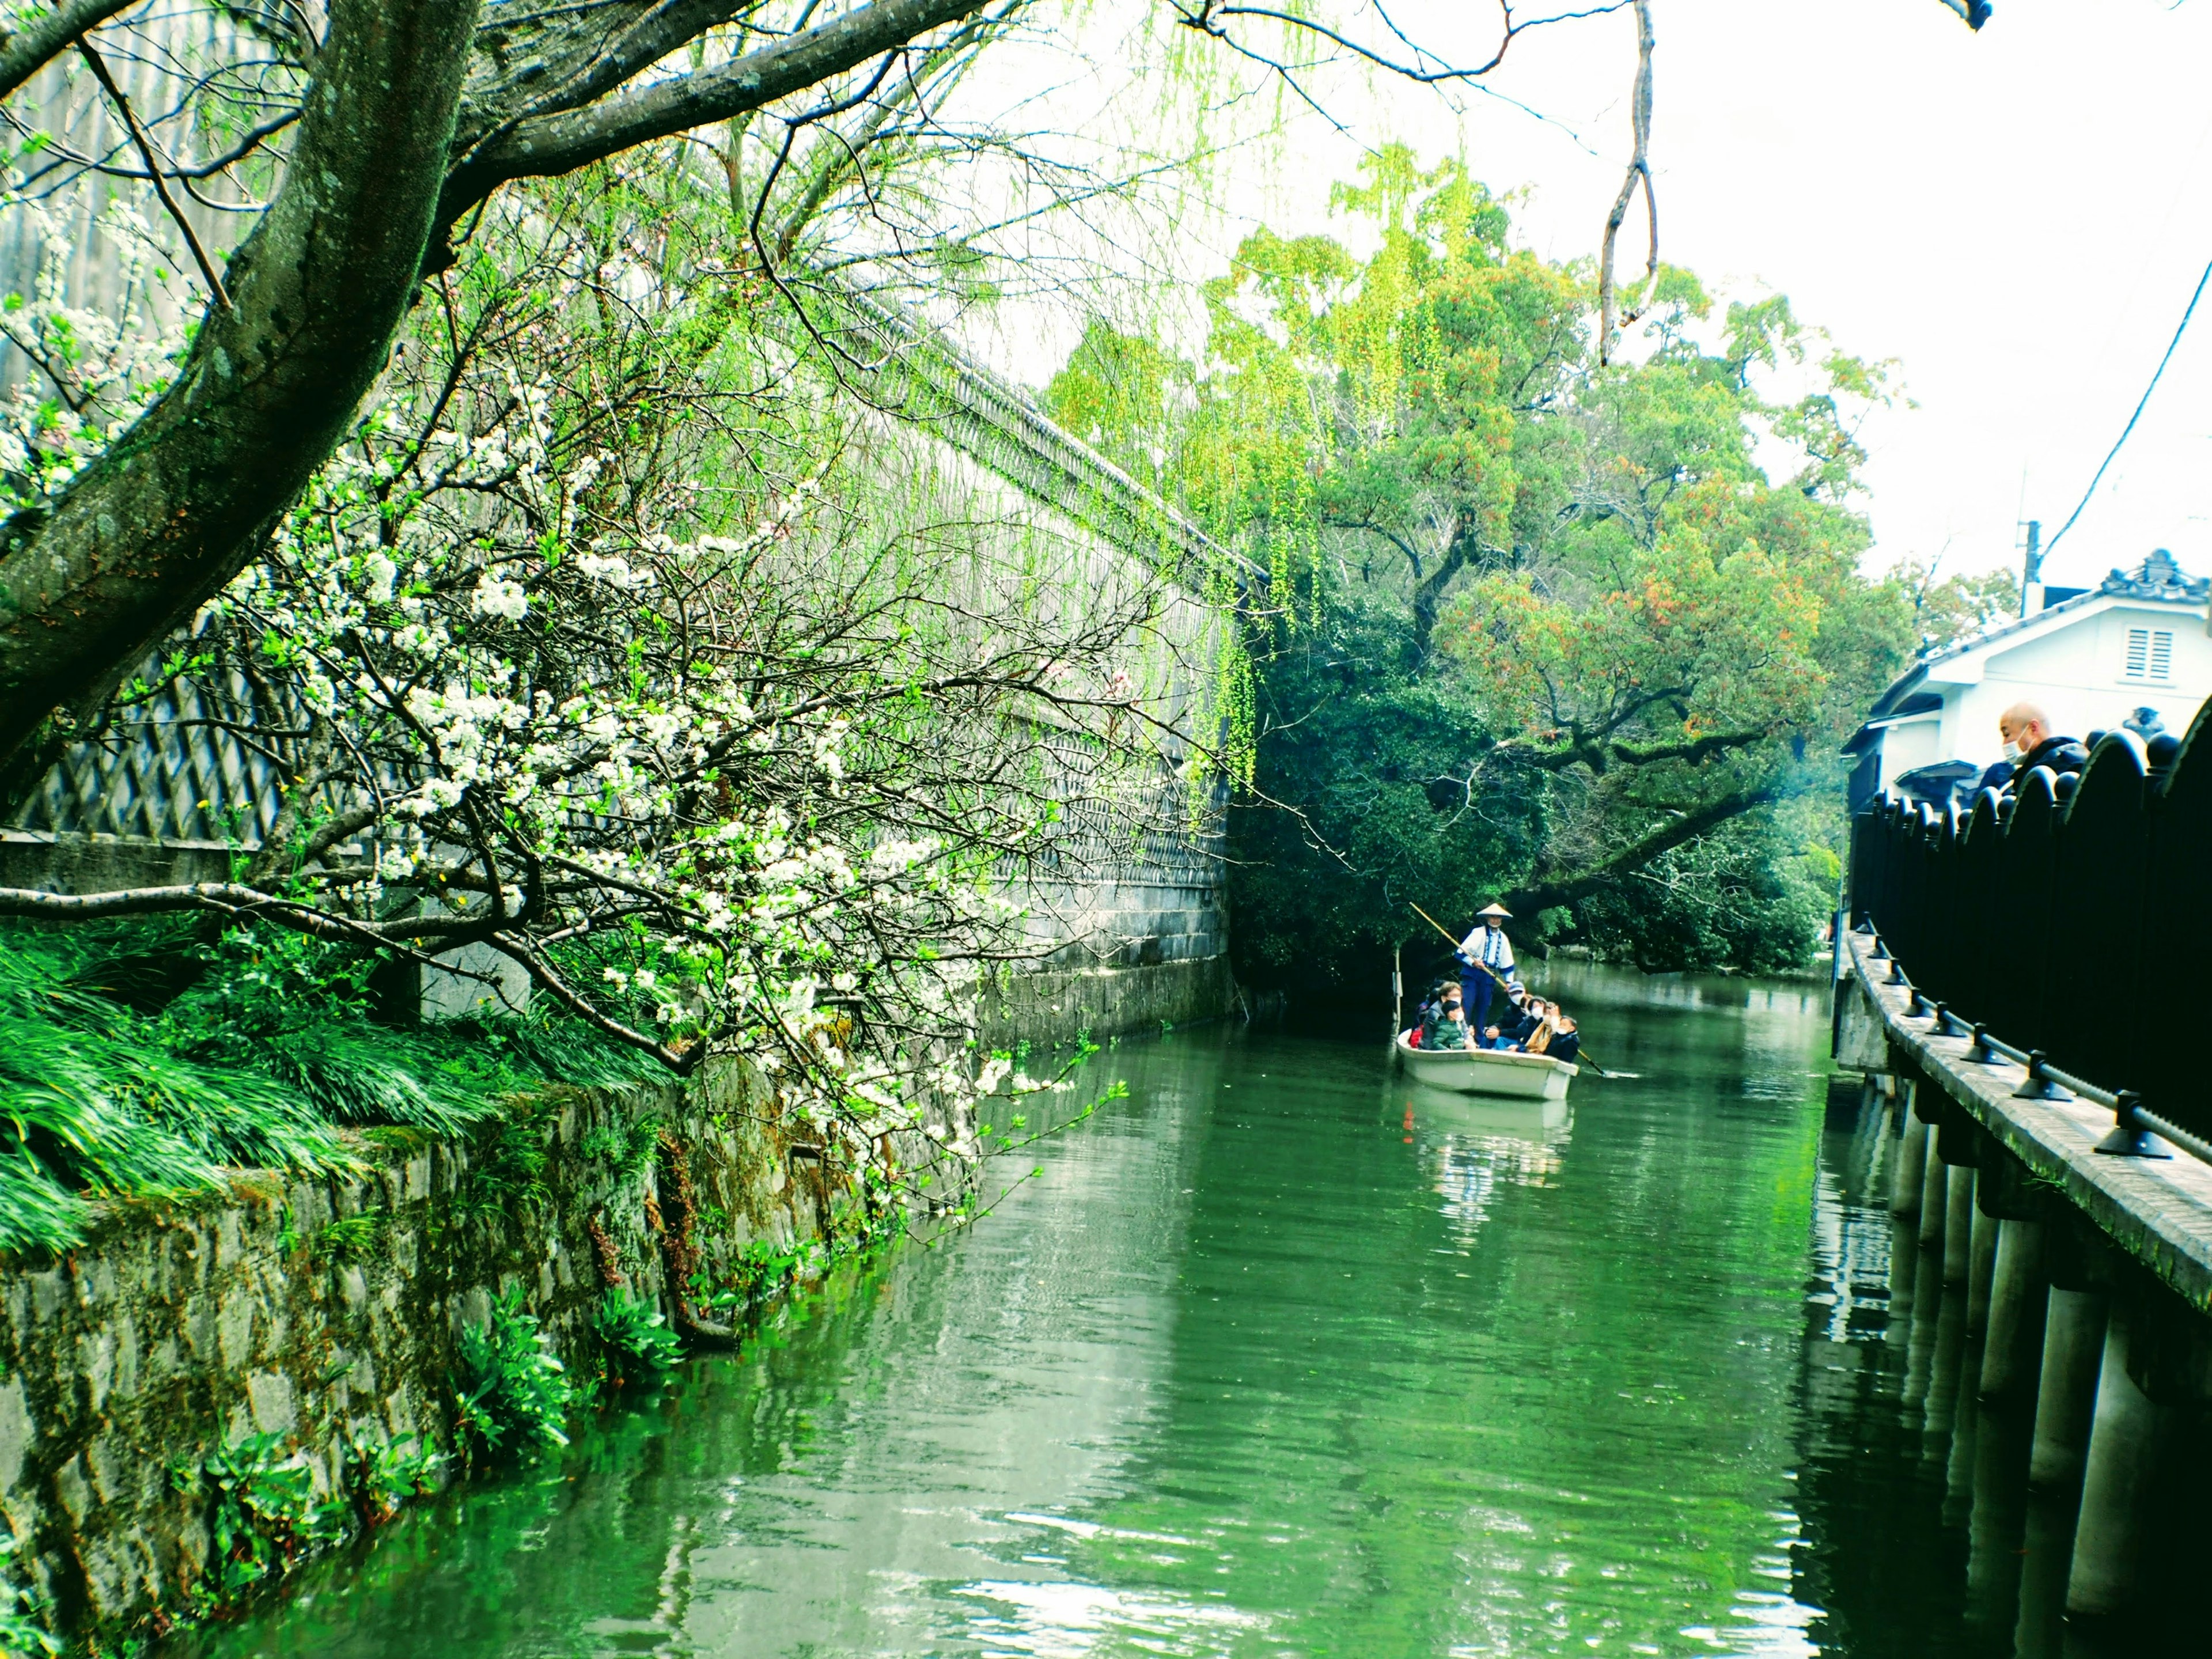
pixel 1285 1357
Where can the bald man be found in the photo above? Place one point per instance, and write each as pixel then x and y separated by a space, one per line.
pixel 2028 744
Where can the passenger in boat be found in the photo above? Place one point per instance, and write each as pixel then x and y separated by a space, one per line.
pixel 1487 955
pixel 2028 744
pixel 1555 1036
pixel 1514 1025
pixel 1431 1006
pixel 1528 1015
pixel 1446 1026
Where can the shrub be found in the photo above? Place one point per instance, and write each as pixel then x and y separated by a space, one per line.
pixel 514 1394
pixel 382 1475
pixel 636 1340
pixel 262 1513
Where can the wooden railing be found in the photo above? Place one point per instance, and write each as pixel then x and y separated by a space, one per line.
pixel 2071 917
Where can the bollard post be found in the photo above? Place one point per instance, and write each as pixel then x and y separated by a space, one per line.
pixel 1911 1168
pixel 2035 1085
pixel 1958 1222
pixel 2066 1392
pixel 1981 1268
pixel 2013 1352
pixel 2129 1138
pixel 2127 1446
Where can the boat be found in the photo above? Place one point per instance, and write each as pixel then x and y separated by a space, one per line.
pixel 1486 1071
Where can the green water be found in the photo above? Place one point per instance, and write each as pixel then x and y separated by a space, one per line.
pixel 1281 1356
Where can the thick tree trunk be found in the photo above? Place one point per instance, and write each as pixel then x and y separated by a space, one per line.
pixel 1527 901
pixel 174 508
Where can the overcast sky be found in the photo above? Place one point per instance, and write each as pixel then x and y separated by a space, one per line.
pixel 2017 216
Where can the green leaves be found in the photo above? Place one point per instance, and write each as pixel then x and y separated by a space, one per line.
pixel 514 1394
pixel 1556 623
pixel 635 1342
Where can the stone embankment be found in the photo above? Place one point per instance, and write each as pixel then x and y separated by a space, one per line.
pixel 328 1312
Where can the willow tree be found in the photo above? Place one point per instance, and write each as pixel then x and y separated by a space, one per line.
pixel 1570 619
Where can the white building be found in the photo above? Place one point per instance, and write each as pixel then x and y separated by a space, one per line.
pixel 2133 651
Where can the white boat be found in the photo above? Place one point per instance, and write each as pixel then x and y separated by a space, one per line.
pixel 1486 1071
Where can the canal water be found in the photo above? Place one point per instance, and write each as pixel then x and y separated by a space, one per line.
pixel 1284 1356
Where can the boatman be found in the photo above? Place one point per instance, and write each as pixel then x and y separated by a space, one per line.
pixel 1486 948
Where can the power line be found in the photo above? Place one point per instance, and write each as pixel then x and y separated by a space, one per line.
pixel 2137 416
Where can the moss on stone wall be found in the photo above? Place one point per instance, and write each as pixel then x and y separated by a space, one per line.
pixel 327 1313
pixel 1052 1005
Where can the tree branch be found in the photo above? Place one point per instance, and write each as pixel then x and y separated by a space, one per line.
pixel 1429 596
pixel 1637 854
pixel 1639 171
pixel 31 47
pixel 1700 750
pixel 154 172
pixel 174 508
pixel 545 145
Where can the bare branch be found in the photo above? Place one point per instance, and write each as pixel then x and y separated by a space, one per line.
pixel 31 48
pixel 544 145
pixel 1640 173
pixel 153 171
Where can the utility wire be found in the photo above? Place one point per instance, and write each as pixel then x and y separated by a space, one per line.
pixel 2131 427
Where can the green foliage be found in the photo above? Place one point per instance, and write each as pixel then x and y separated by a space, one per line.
pixel 262 1515
pixel 383 1474
pixel 628 1150
pixel 762 1266
pixel 1574 633
pixel 351 1239
pixel 635 1342
pixel 1748 895
pixel 506 1166
pixel 1947 611
pixel 143 1058
pixel 514 1394
pixel 21 1634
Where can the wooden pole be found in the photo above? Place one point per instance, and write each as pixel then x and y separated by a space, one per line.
pixel 1397 988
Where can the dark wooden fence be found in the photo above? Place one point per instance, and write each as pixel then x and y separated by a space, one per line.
pixel 2072 914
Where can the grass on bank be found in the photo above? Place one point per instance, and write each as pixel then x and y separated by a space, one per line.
pixel 146 1058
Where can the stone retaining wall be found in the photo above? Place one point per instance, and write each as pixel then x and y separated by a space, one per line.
pixel 176 1330
pixel 173 1332
pixel 1052 1005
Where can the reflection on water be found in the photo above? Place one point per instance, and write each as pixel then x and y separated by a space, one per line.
pixel 1286 1356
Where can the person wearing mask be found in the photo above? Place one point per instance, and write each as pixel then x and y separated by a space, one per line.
pixel 1538 1039
pixel 2028 744
pixel 1566 1044
pixel 1529 1016
pixel 1519 1019
pixel 1446 1026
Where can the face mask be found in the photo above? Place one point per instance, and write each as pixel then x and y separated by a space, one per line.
pixel 2012 750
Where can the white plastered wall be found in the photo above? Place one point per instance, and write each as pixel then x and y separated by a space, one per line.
pixel 2077 673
